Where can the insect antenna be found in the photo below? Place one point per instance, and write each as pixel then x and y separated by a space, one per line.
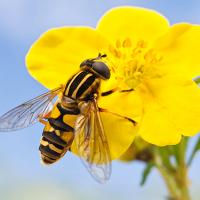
pixel 100 56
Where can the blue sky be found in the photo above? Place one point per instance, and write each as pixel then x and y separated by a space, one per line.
pixel 21 174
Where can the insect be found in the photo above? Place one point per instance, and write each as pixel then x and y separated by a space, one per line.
pixel 77 98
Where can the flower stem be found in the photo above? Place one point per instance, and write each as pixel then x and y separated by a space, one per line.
pixel 175 177
pixel 182 171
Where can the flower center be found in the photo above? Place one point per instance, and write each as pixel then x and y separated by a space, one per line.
pixel 131 64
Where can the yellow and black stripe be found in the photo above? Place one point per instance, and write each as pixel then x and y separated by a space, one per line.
pixel 58 134
pixel 82 85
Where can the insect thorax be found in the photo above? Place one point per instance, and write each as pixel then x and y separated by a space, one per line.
pixel 82 86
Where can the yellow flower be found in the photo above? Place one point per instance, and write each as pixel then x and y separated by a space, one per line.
pixel 144 53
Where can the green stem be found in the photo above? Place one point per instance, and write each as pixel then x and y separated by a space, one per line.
pixel 182 171
pixel 175 178
pixel 167 177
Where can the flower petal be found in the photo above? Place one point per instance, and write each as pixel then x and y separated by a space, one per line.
pixel 171 109
pixel 57 54
pixel 180 48
pixel 127 104
pixel 120 134
pixel 132 22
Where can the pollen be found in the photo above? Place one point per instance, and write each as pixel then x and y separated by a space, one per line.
pixel 133 62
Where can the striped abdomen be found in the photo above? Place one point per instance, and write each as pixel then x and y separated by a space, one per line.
pixel 58 135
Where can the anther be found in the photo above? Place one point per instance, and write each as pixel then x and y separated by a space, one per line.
pixel 118 43
pixel 127 43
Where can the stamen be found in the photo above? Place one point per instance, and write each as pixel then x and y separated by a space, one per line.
pixel 118 44
pixel 127 43
pixel 114 52
pixel 131 64
pixel 142 44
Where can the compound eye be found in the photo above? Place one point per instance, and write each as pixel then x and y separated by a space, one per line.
pixel 102 69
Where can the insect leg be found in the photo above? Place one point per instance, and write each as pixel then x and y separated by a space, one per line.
pixel 43 117
pixel 48 115
pixel 114 90
pixel 109 92
pixel 42 121
pixel 116 114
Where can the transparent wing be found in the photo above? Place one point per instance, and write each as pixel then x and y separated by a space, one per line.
pixel 91 143
pixel 29 112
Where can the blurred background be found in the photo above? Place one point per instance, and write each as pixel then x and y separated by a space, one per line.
pixel 22 177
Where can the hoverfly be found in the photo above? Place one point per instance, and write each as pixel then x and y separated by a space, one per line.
pixel 78 98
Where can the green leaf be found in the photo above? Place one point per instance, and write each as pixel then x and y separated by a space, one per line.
pixel 196 148
pixel 146 173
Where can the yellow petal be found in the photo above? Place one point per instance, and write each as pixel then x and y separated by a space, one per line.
pixel 57 54
pixel 127 104
pixel 171 109
pixel 133 23
pixel 180 48
pixel 120 134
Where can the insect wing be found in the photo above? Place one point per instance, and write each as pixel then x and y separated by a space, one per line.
pixel 29 112
pixel 91 143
